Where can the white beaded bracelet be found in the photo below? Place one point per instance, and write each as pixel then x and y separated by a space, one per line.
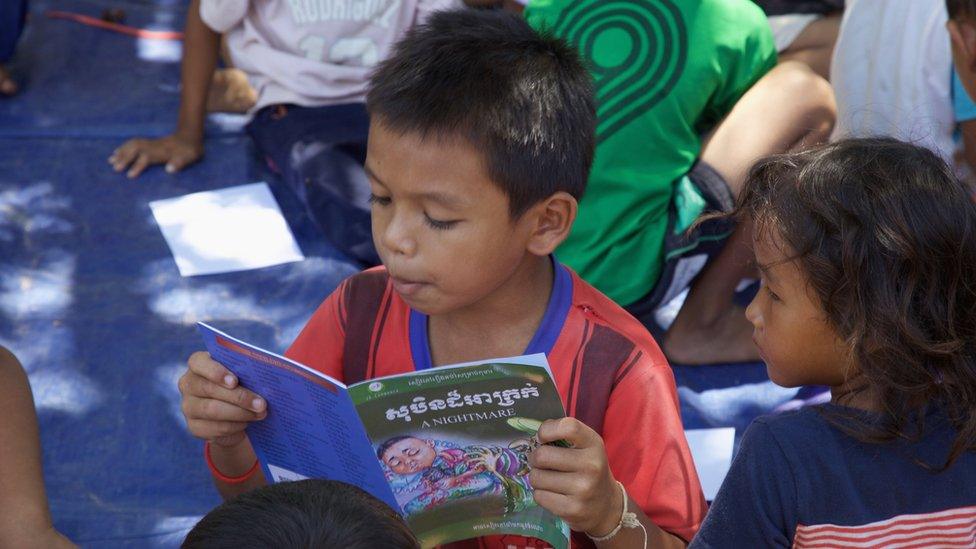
pixel 627 520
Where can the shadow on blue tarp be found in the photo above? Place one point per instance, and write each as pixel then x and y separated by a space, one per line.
pixel 92 303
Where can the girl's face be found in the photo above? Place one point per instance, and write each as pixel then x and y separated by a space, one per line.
pixel 790 327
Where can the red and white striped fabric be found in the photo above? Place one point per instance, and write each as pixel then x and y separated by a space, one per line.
pixel 950 529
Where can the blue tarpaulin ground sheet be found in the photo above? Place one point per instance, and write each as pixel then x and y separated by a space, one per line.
pixel 91 300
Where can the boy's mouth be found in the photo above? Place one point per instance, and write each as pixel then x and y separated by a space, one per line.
pixel 406 287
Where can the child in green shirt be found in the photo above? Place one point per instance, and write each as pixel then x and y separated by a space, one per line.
pixel 687 98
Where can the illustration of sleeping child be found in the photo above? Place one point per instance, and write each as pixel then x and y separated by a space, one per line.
pixel 425 473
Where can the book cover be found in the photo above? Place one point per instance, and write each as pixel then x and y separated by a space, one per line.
pixel 446 447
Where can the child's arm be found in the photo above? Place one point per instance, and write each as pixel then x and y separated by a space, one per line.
pixel 201 46
pixel 25 520
pixel 217 410
pixel 576 484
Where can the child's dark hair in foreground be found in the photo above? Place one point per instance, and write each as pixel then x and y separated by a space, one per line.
pixel 307 514
pixel 867 250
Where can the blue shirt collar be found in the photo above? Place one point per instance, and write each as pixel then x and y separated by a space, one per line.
pixel 542 342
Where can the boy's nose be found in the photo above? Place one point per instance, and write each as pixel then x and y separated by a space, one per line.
pixel 397 238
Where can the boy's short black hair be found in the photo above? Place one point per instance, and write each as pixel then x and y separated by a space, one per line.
pixel 522 97
pixel 304 514
pixel 961 8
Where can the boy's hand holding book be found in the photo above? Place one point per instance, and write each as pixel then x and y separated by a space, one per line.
pixel 216 408
pixel 575 483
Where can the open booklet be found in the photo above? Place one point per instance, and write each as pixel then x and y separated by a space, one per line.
pixel 445 447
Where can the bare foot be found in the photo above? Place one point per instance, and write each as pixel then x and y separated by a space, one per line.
pixel 230 92
pixel 7 86
pixel 728 339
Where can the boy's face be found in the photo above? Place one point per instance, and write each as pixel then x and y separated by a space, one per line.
pixel 409 456
pixel 440 225
pixel 790 327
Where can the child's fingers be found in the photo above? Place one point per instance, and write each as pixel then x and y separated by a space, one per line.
pixel 141 162
pixel 554 481
pixel 208 429
pixel 584 502
pixel 124 155
pixel 569 509
pixel 555 458
pixel 212 409
pixel 181 160
pixel 569 429
pixel 202 365
pixel 194 386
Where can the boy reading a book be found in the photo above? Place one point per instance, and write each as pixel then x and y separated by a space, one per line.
pixel 481 138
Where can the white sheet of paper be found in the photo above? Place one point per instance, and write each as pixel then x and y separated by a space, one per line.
pixel 712 452
pixel 226 230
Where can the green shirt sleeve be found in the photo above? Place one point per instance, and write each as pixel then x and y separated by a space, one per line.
pixel 744 62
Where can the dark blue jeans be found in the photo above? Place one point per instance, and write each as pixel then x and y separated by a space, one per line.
pixel 319 153
pixel 12 17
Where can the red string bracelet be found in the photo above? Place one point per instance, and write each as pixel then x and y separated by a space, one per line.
pixel 222 477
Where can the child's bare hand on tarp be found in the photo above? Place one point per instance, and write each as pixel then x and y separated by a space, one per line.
pixel 215 406
pixel 575 483
pixel 176 151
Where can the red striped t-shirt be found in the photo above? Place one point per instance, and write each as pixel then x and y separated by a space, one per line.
pixel 950 529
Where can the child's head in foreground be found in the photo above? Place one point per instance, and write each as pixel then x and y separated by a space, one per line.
pixel 407 455
pixel 306 514
pixel 962 32
pixel 868 256
pixel 481 140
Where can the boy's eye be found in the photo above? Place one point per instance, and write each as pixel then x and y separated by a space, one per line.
pixel 379 200
pixel 772 294
pixel 439 225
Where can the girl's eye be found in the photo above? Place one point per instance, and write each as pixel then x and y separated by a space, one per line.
pixel 439 225
pixel 764 287
pixel 379 200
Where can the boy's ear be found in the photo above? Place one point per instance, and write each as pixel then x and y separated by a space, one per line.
pixel 552 220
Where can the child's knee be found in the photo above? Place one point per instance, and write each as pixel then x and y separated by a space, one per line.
pixel 805 89
pixel 809 99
